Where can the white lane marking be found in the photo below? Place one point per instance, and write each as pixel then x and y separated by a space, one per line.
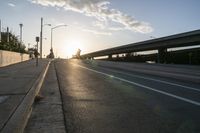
pixel 161 81
pixel 143 86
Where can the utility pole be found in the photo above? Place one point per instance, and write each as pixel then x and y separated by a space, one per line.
pixel 21 25
pixel 51 50
pixel 8 38
pixel 41 35
pixel 41 38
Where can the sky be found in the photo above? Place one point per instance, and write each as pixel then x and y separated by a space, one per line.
pixel 94 25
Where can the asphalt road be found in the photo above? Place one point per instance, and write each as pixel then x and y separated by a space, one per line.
pixel 98 99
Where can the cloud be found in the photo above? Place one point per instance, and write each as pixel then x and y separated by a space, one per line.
pixel 116 28
pixel 97 32
pixel 99 24
pixel 103 25
pixel 11 4
pixel 100 10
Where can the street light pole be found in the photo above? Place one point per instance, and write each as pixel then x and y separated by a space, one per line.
pixel 51 37
pixel 21 25
pixel 41 36
pixel 8 38
pixel 52 34
pixel 20 35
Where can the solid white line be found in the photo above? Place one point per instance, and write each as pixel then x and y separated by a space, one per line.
pixel 161 81
pixel 143 86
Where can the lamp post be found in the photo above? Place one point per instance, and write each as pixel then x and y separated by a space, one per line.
pixel 41 34
pixel 52 34
pixel 8 36
pixel 21 25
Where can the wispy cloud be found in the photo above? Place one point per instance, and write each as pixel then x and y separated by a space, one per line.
pixel 116 28
pixel 101 11
pixel 11 4
pixel 99 24
pixel 97 32
pixel 103 25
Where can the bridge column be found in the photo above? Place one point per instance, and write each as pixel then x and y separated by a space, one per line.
pixel 110 57
pixel 90 58
pixel 162 53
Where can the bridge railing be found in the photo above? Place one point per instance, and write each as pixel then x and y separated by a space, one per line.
pixel 191 38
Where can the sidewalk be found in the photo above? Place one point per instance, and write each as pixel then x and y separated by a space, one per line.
pixel 19 84
pixel 47 115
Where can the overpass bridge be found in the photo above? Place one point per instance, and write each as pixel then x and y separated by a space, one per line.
pixel 191 38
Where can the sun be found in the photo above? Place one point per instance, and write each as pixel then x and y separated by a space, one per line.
pixel 71 47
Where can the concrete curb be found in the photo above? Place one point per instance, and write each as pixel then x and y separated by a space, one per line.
pixel 18 120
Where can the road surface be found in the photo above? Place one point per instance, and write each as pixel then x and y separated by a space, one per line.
pixel 99 99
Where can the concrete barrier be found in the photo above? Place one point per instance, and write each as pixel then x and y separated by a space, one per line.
pixel 8 57
pixel 19 118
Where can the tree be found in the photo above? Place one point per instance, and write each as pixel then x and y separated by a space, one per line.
pixel 11 43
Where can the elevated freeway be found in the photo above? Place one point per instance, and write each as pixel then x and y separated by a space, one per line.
pixel 191 38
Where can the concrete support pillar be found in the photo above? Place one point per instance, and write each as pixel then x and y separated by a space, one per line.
pixel 162 53
pixel 90 58
pixel 110 57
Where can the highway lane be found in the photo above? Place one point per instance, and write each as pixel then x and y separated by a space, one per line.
pixel 98 99
pixel 185 72
pixel 188 89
